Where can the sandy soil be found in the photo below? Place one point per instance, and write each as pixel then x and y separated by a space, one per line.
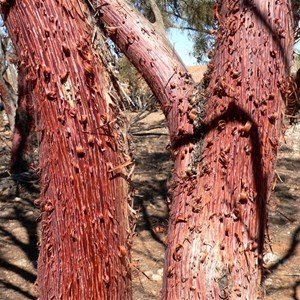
pixel 19 233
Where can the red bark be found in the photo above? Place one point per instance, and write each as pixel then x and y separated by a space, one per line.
pixel 218 216
pixel 23 125
pixel 153 57
pixel 181 102
pixel 84 250
pixel 221 184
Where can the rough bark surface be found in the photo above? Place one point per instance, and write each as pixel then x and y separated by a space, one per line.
pixel 181 101
pixel 153 57
pixel 85 235
pixel 218 215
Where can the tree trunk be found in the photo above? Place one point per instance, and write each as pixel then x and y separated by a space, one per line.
pixel 222 177
pixel 23 125
pixel 84 251
pixel 218 216
pixel 8 79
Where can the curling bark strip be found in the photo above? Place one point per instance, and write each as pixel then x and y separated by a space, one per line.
pixel 218 215
pixel 84 252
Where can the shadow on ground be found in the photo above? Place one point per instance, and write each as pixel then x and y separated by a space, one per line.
pixel 19 233
pixel 282 276
pixel 18 239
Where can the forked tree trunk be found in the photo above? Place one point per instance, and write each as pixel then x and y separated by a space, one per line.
pixel 223 174
pixel 84 251
pixel 218 216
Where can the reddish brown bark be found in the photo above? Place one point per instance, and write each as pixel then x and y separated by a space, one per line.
pixel 168 78
pixel 84 245
pixel 217 229
pixel 152 55
pixel 221 184
pixel 23 125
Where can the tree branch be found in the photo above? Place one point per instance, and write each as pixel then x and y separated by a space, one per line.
pixel 159 22
pixel 184 28
pixel 154 58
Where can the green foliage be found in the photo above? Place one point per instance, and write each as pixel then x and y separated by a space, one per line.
pixel 202 43
pixel 144 7
pixel 195 16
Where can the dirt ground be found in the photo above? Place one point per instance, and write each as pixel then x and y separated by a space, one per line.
pixel 19 233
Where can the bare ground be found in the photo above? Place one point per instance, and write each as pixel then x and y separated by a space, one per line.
pixel 19 233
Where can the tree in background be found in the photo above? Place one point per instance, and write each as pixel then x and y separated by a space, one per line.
pixel 135 87
pixel 17 105
pixel 84 252
pixel 194 17
pixel 8 77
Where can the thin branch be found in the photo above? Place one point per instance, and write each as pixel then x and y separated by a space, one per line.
pixel 159 22
pixel 184 28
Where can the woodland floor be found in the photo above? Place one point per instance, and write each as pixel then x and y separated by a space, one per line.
pixel 19 230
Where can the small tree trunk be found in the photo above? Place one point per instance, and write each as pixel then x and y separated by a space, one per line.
pixel 218 215
pixel 8 80
pixel 23 125
pixel 84 250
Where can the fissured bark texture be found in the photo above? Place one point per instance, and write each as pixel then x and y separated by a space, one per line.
pixel 84 245
pixel 219 209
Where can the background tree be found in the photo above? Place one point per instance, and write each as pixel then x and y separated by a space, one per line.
pixel 193 17
pixel 8 77
pixel 85 240
pixel 135 87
